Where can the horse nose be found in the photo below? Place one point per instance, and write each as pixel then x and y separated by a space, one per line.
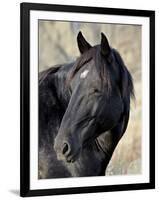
pixel 66 148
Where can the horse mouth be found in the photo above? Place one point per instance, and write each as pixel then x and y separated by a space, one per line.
pixel 71 158
pixel 65 147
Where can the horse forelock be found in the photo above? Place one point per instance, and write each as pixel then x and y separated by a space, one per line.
pixel 80 62
pixel 104 71
pixel 100 65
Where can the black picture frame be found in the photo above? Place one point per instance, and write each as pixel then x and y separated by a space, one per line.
pixel 25 9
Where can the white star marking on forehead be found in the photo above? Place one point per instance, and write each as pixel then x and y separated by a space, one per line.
pixel 84 74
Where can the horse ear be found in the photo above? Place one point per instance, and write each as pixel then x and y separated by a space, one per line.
pixel 105 48
pixel 83 45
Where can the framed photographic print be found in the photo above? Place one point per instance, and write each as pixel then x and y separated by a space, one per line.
pixel 87 99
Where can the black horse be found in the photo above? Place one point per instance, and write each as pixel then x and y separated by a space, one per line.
pixel 83 111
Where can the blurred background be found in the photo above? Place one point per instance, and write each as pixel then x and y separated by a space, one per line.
pixel 57 45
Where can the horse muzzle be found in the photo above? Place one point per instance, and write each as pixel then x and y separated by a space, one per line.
pixel 66 150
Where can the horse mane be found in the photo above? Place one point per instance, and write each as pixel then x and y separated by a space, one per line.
pixel 126 88
pixel 43 75
pixel 126 81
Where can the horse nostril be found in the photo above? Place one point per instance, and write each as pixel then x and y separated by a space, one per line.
pixel 66 148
